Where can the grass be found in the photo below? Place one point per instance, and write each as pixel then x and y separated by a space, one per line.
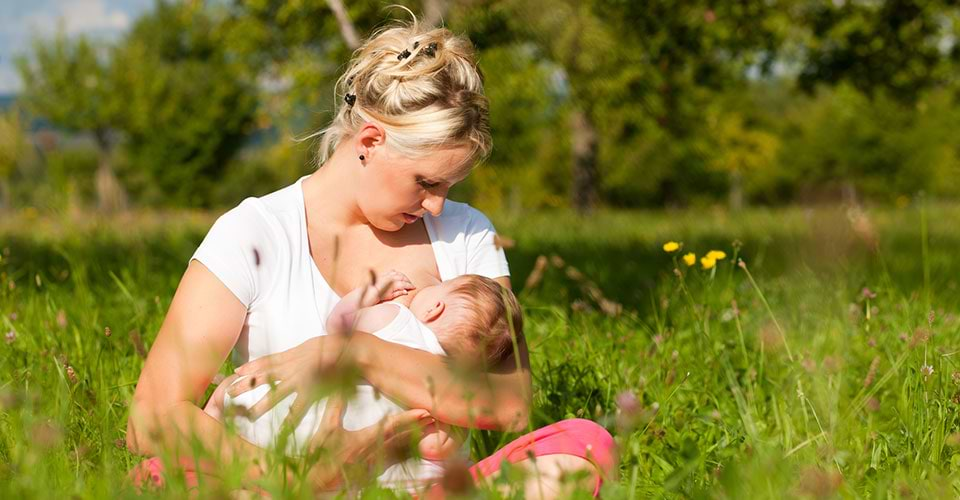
pixel 829 369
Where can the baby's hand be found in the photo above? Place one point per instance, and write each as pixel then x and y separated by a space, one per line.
pixel 439 442
pixel 392 284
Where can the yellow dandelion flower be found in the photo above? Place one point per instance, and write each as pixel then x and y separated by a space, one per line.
pixel 716 255
pixel 708 263
pixel 690 259
pixel 671 246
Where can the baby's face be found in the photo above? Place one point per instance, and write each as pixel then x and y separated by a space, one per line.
pixel 429 298
pixel 440 297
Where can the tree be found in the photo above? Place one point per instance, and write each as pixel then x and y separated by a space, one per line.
pixel 900 47
pixel 13 148
pixel 736 149
pixel 67 82
pixel 189 102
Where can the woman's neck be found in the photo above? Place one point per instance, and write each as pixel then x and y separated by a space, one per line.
pixel 329 195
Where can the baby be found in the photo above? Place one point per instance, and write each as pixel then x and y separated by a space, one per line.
pixel 469 318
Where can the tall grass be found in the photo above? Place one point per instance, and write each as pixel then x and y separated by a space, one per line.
pixel 825 365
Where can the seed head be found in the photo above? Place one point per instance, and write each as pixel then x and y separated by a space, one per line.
pixel 71 374
pixel 10 336
pixel 107 332
pixel 872 372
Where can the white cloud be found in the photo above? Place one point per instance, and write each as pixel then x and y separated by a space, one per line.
pixel 79 16
pixel 21 20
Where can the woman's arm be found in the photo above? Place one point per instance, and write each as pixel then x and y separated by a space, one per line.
pixel 200 329
pixel 498 400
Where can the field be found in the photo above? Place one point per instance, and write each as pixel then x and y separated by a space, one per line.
pixel 826 364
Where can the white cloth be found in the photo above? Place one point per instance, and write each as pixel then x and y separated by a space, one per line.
pixel 367 407
pixel 260 252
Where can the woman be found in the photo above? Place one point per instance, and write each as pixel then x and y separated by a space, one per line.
pixel 412 119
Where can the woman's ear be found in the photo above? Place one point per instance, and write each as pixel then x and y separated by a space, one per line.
pixel 368 139
pixel 434 312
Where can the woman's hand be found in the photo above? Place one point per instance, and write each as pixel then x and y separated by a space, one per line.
pixel 295 370
pixel 340 447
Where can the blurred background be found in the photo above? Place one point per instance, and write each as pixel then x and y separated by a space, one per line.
pixel 120 104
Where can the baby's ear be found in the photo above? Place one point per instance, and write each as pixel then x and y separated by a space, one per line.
pixel 434 312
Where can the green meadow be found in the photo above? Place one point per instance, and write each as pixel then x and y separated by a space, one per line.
pixel 819 357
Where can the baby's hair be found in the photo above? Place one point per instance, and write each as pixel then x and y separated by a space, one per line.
pixel 491 317
pixel 421 84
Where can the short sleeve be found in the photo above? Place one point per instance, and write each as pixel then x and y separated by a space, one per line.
pixel 484 256
pixel 240 250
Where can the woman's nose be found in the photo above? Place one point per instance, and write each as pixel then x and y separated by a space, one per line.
pixel 434 204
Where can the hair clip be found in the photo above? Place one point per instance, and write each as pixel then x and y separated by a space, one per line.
pixel 350 99
pixel 349 81
pixel 431 50
pixel 415 45
pixel 403 55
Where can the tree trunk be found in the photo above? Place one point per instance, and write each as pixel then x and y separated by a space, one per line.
pixel 110 194
pixel 585 176
pixel 736 190
pixel 849 190
pixel 4 194
pixel 347 30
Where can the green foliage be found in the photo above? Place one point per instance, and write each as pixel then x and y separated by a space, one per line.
pixel 880 146
pixel 67 82
pixel 901 48
pixel 188 104
pixel 683 103
pixel 704 396
pixel 13 142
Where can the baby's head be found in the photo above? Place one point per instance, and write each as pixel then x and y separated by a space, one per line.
pixel 472 317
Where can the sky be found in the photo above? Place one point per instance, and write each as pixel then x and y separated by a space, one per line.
pixel 22 20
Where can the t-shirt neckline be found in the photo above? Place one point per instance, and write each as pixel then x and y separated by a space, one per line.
pixel 315 271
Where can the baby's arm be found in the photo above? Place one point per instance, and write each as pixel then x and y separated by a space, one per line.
pixel 440 441
pixel 343 318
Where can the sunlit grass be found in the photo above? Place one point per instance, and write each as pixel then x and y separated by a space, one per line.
pixel 829 369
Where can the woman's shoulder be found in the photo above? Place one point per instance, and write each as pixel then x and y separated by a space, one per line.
pixel 462 216
pixel 270 215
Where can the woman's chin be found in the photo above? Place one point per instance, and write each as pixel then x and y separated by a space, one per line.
pixel 390 225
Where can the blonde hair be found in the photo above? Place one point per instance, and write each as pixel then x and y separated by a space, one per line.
pixel 421 85
pixel 490 320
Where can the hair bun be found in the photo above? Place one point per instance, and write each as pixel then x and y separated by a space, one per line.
pixel 425 94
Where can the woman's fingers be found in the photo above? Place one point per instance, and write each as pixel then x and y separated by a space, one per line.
pixel 394 425
pixel 330 424
pixel 256 365
pixel 333 414
pixel 297 410
pixel 277 394
pixel 269 361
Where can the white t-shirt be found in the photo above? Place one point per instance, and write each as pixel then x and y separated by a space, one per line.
pixel 259 250
pixel 367 407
